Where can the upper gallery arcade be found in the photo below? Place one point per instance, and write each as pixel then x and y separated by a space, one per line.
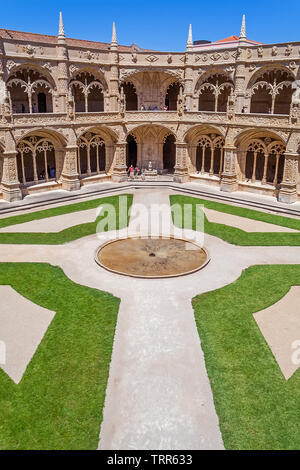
pixel 75 112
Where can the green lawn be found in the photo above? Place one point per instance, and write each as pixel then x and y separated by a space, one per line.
pixel 257 407
pixel 236 236
pixel 64 236
pixel 58 403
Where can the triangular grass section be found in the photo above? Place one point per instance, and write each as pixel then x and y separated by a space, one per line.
pixel 237 236
pixel 257 407
pixel 67 235
pixel 58 403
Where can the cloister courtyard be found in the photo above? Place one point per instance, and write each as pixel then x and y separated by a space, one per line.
pixel 96 359
pixel 149 243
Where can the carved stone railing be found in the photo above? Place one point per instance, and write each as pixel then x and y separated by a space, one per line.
pixel 38 119
pixel 147 117
pixel 270 120
pixel 151 116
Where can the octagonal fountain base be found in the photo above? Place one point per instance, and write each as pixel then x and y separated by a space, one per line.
pixel 152 258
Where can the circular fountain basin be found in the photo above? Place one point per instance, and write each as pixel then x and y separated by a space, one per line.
pixel 152 257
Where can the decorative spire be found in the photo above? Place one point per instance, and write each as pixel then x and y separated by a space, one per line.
pixel 61 31
pixel 243 28
pixel 114 41
pixel 189 44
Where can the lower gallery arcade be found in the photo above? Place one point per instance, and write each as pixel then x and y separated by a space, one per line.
pixel 254 161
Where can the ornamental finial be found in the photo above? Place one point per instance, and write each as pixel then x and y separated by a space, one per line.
pixel 243 28
pixel 61 31
pixel 114 41
pixel 189 44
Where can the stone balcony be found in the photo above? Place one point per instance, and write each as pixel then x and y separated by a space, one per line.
pixel 151 117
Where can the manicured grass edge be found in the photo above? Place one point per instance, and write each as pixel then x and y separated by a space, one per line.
pixel 234 235
pixel 257 407
pixel 58 403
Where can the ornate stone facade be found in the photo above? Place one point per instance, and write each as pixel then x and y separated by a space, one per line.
pixel 74 112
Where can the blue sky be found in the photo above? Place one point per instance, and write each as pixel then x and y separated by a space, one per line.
pixel 161 25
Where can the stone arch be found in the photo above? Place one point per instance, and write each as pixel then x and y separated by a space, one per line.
pixel 270 90
pixel 206 150
pixel 35 67
pixel 95 150
pixel 267 68
pixel 152 143
pixel 130 96
pixel 98 74
pixel 40 155
pixel 199 129
pixel 88 91
pixel 151 86
pixel 261 157
pixel 213 91
pixel 32 89
pixel 108 134
pixel 131 150
pixel 172 96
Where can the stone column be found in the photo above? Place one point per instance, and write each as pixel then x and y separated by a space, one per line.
pixel 240 77
pixel 229 175
pixel 288 192
pixel 181 174
pixel 109 156
pixel 70 177
pixel 10 182
pixel 119 170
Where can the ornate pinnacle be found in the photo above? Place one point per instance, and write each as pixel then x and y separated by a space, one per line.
pixel 243 28
pixel 114 41
pixel 61 31
pixel 189 44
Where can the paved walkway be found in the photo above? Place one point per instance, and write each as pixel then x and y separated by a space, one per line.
pixel 23 325
pixel 243 223
pixel 158 394
pixel 280 325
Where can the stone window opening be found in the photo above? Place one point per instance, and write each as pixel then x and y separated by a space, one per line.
pixel 272 93
pixel 36 161
pixel 91 155
pixel 214 93
pixel 130 96
pixel 210 155
pixel 30 92
pixel 172 96
pixel 88 93
pixel 264 162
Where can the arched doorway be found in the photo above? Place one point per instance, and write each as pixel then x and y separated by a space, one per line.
pixel 172 96
pixel 131 151
pixel 169 153
pixel 42 103
pixel 130 96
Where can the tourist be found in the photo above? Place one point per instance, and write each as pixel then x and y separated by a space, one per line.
pixel 142 108
pixel 165 107
pixel 131 172
pixel 277 190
